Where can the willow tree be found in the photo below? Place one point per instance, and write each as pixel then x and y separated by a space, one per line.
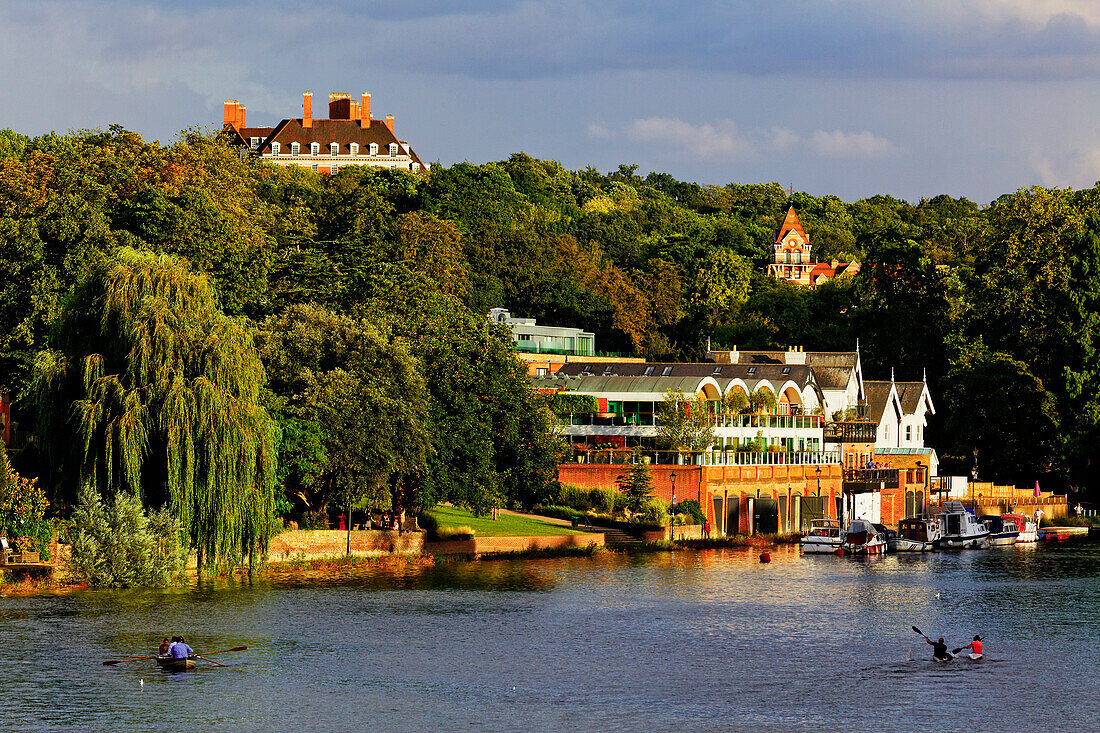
pixel 151 389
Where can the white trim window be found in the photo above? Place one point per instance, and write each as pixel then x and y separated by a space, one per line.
pixel 354 148
pixel 295 148
pixel 315 148
pixel 393 150
pixel 254 142
pixel 274 148
pixel 416 167
pixel 374 149
pixel 334 149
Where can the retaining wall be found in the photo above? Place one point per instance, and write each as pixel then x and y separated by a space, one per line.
pixel 317 543
pixel 482 545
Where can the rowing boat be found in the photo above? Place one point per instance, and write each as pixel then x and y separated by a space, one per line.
pixel 177 665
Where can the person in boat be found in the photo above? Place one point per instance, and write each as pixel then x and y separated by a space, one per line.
pixel 164 646
pixel 939 649
pixel 180 650
pixel 975 646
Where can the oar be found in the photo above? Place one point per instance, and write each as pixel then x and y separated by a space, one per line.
pixel 224 651
pixel 131 659
pixel 211 661
pixel 956 651
pixel 919 632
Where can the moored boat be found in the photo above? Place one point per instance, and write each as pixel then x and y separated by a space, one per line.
pixel 862 538
pixel 1062 534
pixel 177 665
pixel 1029 530
pixel 960 529
pixel 915 534
pixel 824 536
pixel 1002 531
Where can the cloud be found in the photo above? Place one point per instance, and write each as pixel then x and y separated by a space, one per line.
pixel 707 140
pixel 838 144
pixel 599 131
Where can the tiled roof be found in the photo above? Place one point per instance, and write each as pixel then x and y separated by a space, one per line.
pixel 833 358
pixel 910 395
pixel 878 395
pixel 832 377
pixel 761 357
pixel 790 221
pixel 343 132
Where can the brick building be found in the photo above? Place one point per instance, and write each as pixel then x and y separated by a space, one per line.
pixel 792 258
pixel 348 136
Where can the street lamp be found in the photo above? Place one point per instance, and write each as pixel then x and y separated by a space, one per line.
pixel 672 514
pixel 974 480
pixel 818 470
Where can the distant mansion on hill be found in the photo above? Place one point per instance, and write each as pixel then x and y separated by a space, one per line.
pixel 348 136
pixel 792 260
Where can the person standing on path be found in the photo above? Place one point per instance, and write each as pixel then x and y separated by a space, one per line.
pixel 706 529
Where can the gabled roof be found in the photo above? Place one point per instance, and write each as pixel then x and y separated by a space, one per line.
pixel 910 394
pixel 832 358
pixel 790 221
pixel 342 132
pixel 828 270
pixel 879 395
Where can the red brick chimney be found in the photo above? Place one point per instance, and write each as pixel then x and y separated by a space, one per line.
pixel 339 106
pixel 354 110
pixel 240 116
pixel 307 109
pixel 364 111
pixel 229 112
pixel 389 124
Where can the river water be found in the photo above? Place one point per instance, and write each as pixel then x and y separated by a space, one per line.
pixel 710 641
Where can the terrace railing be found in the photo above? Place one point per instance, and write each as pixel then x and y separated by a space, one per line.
pixel 709 458
pixel 851 432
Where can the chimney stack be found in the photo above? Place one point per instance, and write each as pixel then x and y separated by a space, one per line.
pixel 355 111
pixel 307 109
pixel 339 106
pixel 364 111
pixel 389 124
pixel 240 116
pixel 229 112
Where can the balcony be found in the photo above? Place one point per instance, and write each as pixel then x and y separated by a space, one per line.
pixel 710 458
pixel 850 432
pixel 859 480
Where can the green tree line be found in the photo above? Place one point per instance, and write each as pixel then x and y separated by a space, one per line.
pixel 335 277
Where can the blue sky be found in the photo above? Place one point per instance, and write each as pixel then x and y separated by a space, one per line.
pixel 848 97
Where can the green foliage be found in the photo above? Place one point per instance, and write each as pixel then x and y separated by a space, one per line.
pixel 152 390
pixel 691 509
pixel 23 509
pixel 636 483
pixel 118 545
pixel 683 423
pixel 564 403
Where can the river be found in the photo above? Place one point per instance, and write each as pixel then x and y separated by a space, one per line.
pixel 709 641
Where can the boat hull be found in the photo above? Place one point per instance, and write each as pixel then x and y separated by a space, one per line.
pixel 820 545
pixel 1001 539
pixel 970 542
pixel 176 665
pixel 869 548
pixel 901 544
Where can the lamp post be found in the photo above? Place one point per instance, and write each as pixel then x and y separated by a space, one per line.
pixel 672 514
pixel 974 480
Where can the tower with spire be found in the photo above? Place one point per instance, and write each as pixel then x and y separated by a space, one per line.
pixel 792 259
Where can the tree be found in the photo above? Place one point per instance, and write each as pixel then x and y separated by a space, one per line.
pixel 683 423
pixel 721 286
pixel 359 395
pixel 152 390
pixel 637 483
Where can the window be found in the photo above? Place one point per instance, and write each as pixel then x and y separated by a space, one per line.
pixel 295 148
pixel 541 372
pixel 717 370
pixel 315 148
pixel 334 149
pixel 416 167
pixel 752 370
pixel 608 369
pixel 335 169
pixel 648 371
pixel 667 371
pixel 254 142
pixel 786 370
pixel 393 150
pixel 524 336
pixel 908 433
pixel 314 167
pixel 374 148
pixel 274 148
pixel 354 148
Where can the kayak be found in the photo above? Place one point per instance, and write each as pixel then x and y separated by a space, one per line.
pixel 177 665
pixel 974 656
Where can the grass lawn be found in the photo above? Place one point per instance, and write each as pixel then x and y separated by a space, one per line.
pixel 505 526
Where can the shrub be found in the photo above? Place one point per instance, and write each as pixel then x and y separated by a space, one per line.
pixel 427 522
pixel 608 501
pixel 576 497
pixel 653 511
pixel 461 532
pixel 691 509
pixel 314 520
pixel 118 545
pixel 23 510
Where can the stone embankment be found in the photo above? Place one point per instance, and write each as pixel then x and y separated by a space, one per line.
pixel 324 543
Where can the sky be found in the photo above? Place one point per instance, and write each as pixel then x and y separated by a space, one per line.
pixel 911 98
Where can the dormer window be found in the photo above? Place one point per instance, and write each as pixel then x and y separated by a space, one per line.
pixel 315 148
pixel 666 371
pixel 393 150
pixel 334 149
pixel 752 370
pixel 274 148
pixel 254 142
pixel 295 148
pixel 416 167
pixel 354 148
pixel 648 371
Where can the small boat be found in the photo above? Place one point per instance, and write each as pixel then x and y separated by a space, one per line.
pixel 1001 531
pixel 1062 534
pixel 177 665
pixel 960 529
pixel 824 536
pixel 915 534
pixel 862 538
pixel 1029 530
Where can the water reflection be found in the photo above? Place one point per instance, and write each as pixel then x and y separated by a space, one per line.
pixel 711 640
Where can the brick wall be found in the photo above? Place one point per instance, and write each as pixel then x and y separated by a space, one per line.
pixel 482 545
pixel 317 543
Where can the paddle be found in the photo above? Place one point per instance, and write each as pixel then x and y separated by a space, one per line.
pixel 956 651
pixel 929 640
pixel 223 651
pixel 111 662
pixel 211 661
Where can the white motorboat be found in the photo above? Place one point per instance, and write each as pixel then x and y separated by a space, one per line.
pixel 1029 529
pixel 960 529
pixel 862 538
pixel 1002 530
pixel 915 534
pixel 823 536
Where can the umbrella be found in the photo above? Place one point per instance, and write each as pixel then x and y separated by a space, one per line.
pixel 1037 491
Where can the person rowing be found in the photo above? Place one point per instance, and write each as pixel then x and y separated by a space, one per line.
pixel 939 650
pixel 975 648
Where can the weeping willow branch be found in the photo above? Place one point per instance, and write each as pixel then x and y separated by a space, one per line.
pixel 153 390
